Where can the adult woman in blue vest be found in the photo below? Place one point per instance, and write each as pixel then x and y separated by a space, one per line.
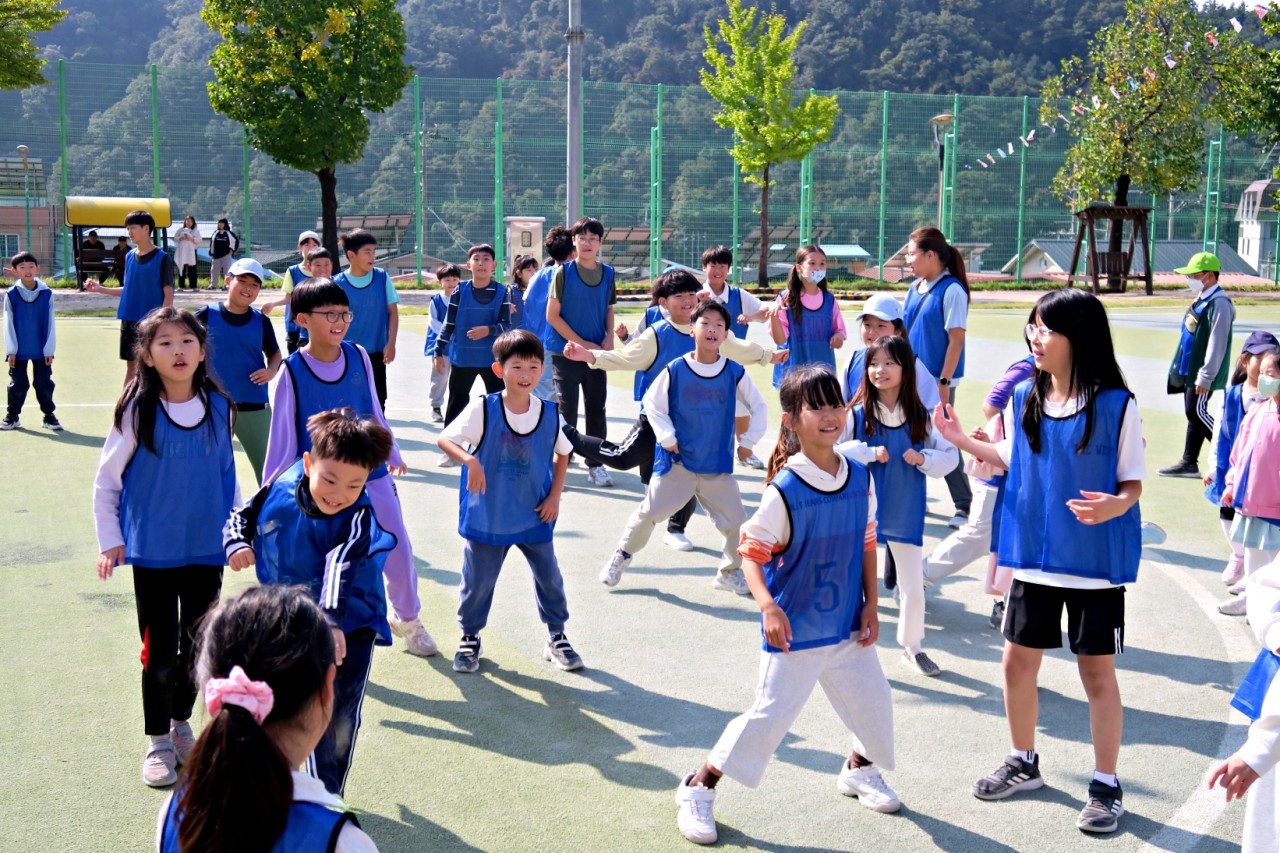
pixel 936 314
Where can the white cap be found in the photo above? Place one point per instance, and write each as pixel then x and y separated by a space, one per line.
pixel 882 306
pixel 249 266
pixel 309 235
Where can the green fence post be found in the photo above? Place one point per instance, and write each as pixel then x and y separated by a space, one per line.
pixel 1151 234
pixel 1022 184
pixel 62 148
pixel 805 188
pixel 499 238
pixel 248 237
pixel 884 176
pixel 737 179
pixel 1217 192
pixel 1210 243
pixel 155 133
pixel 953 150
pixel 1275 255
pixel 417 170
pixel 582 146
pixel 655 194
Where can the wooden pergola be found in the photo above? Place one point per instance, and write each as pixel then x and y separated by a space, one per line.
pixel 1112 265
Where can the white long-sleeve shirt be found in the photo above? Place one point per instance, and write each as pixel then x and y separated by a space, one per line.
pixel 771 526
pixel 1262 749
pixel 657 407
pixel 11 333
pixel 642 349
pixel 940 455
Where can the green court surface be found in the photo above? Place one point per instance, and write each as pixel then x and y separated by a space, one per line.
pixel 523 757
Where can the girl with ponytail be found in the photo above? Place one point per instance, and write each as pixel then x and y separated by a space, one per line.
pixel 267 665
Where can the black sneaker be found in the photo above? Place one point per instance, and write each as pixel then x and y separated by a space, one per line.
pixel 561 653
pixel 9 422
pixel 437 417
pixel 1185 469
pixel 997 615
pixel 467 658
pixel 1009 778
pixel 1102 811
pixel 51 423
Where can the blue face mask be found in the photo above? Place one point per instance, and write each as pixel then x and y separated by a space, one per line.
pixel 1269 386
pixel 816 276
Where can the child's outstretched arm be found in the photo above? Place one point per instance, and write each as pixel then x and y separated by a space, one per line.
pixel 948 426
pixel 237 533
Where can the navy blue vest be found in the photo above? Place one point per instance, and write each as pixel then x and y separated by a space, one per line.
pixel 900 488
pixel 702 410
pixel 30 322
pixel 672 343
pixel 463 351
pixel 583 307
pixel 370 325
pixel 311 827
pixel 517 475
pixel 312 395
pixel 175 501
pixel 923 316
pixel 143 292
pixel 1037 530
pixel 234 353
pixel 817 578
pixel 291 548
pixel 809 337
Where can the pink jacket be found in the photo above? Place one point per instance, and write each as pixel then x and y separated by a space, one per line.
pixel 1257 446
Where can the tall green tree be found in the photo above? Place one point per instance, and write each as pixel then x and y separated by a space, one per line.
pixel 19 19
pixel 301 76
pixel 1152 137
pixel 752 77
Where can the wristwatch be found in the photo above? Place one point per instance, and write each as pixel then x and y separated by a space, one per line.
pixel 944 381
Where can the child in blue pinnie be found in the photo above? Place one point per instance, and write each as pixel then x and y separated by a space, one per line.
pixel 29 338
pixel 171 435
pixel 448 275
pixel 510 496
pixel 809 555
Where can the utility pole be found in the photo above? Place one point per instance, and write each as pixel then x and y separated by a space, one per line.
pixel 573 165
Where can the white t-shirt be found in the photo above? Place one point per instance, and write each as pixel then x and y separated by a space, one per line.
pixel 468 427
pixel 1131 464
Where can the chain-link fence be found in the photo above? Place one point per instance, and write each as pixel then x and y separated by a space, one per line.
pixel 652 155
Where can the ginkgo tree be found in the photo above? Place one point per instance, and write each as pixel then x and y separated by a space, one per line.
pixel 1140 103
pixel 20 62
pixel 752 76
pixel 302 76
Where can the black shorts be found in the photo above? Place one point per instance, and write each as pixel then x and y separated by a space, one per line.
pixel 128 336
pixel 1095 618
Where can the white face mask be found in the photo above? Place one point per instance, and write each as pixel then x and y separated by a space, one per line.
pixel 1195 284
pixel 816 276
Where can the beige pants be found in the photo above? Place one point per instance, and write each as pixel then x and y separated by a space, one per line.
pixel 718 494
pixel 855 685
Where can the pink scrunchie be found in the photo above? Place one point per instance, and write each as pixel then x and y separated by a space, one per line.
pixel 238 689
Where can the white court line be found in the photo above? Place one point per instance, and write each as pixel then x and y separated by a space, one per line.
pixel 1200 811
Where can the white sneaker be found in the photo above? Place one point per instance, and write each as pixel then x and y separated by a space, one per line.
pixel 599 477
pixel 695 818
pixel 447 462
pixel 678 541
pixel 1153 534
pixel 752 461
pixel 1234 572
pixel 416 638
pixel 869 787
pixel 921 663
pixel 1237 588
pixel 160 767
pixel 731 582
pixel 612 572
pixel 1233 607
pixel 957 521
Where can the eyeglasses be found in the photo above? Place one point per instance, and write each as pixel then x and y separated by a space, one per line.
pixel 333 316
pixel 1034 332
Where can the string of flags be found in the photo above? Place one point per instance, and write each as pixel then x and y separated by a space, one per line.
pixel 988 160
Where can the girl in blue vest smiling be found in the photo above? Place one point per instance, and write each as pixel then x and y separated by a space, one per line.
pixel 268 665
pixel 171 436
pixel 806 316
pixel 809 554
pixel 1070 530
pixel 892 436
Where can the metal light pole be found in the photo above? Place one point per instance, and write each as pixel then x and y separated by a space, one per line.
pixel 940 123
pixel 26 193
pixel 573 165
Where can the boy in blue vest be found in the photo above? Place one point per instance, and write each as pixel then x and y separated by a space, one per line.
pixel 449 276
pixel 478 311
pixel 580 311
pixel 374 302
pixel 691 406
pixel 314 526
pixel 239 338
pixel 29 337
pixel 147 283
pixel 294 276
pixel 330 373
pixel 559 248
pixel 510 495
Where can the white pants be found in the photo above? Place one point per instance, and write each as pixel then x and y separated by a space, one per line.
pixel 971 542
pixel 1262 816
pixel 439 382
pixel 1237 550
pixel 718 494
pixel 1255 559
pixel 855 685
pixel 909 560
